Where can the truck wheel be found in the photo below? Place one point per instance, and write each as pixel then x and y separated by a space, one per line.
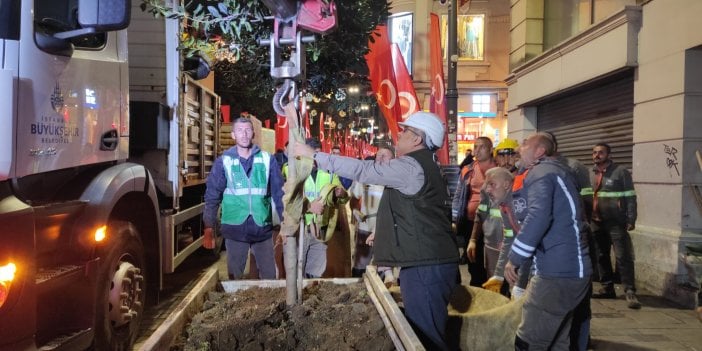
pixel 121 289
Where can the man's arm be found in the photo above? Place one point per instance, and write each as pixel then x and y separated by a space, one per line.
pixel 458 203
pixel 276 186
pixel 402 173
pixel 537 221
pixel 629 198
pixel 216 183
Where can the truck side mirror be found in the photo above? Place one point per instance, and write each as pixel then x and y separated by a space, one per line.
pixel 97 16
pixel 104 15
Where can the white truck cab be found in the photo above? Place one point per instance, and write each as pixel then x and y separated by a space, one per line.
pixel 105 147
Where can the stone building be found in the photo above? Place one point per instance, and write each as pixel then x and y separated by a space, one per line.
pixel 482 64
pixel 628 73
pixel 625 72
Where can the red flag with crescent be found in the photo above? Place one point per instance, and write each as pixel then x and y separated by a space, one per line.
pixel 281 132
pixel 406 96
pixel 438 97
pixel 382 75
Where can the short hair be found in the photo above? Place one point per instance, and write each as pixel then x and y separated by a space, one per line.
pixel 313 143
pixel 544 140
pixel 419 133
pixel 242 120
pixel 487 141
pixel 604 145
pixel 553 138
pixel 500 173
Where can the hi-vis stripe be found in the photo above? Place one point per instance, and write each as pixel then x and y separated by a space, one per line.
pixel 228 162
pixel 571 202
pixel 245 191
pixel 494 212
pixel 508 233
pixel 589 191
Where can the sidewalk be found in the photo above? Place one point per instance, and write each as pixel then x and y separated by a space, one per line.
pixel 658 325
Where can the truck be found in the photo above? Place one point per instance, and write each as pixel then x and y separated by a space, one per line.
pixel 106 144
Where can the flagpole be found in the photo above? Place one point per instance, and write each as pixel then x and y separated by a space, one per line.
pixel 451 89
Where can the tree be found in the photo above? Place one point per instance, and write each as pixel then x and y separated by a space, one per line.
pixel 227 32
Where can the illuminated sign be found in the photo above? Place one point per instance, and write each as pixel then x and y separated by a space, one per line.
pixel 90 98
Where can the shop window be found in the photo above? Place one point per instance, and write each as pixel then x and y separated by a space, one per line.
pixel 470 36
pixel 401 32
pixel 566 18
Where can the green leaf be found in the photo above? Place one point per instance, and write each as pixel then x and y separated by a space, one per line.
pixel 223 8
pixel 214 12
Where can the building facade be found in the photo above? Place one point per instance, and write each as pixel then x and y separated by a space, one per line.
pixel 482 64
pixel 629 73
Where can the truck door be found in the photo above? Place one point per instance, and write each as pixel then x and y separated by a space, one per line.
pixel 72 93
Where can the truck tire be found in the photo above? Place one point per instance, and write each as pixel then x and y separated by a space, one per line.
pixel 121 289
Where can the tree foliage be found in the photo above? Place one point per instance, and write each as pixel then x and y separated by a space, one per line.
pixel 335 60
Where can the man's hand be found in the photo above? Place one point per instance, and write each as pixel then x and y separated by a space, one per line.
pixel 208 239
pixel 316 207
pixel 494 284
pixel 300 149
pixel 371 239
pixel 630 227
pixel 339 192
pixel 511 273
pixel 472 247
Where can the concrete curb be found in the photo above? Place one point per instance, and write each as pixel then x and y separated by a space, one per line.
pixel 173 325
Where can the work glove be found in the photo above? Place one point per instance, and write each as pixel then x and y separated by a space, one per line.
pixel 208 240
pixel 518 293
pixel 494 284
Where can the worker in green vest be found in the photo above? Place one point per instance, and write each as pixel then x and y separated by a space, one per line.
pixel 243 181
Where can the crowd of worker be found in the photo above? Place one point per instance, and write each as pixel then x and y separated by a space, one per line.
pixel 529 223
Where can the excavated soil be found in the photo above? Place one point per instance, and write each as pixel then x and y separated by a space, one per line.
pixel 331 317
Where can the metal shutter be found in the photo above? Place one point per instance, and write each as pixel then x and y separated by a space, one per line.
pixel 599 112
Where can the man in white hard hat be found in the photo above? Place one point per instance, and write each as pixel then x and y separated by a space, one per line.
pixel 413 227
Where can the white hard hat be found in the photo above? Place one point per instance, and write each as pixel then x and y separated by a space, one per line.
pixel 430 124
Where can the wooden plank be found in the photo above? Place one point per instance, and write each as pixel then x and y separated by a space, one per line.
pixel 384 317
pixel 409 339
pixel 172 326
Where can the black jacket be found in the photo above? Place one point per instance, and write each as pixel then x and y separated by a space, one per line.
pixel 419 225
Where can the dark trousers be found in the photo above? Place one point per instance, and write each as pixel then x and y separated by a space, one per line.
pixel 608 234
pixel 580 327
pixel 425 294
pixel 478 273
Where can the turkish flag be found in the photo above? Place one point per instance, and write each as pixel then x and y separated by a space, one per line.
pixel 438 97
pixel 382 75
pixel 281 132
pixel 308 133
pixel 406 96
pixel 321 127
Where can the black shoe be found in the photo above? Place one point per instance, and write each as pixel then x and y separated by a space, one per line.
pixel 605 293
pixel 631 300
pixel 357 272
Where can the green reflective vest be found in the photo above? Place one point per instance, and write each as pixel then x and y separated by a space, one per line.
pixel 245 195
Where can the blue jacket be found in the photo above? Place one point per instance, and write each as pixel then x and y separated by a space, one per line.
pixel 248 231
pixel 548 206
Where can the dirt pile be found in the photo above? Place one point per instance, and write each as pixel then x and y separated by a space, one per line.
pixel 331 317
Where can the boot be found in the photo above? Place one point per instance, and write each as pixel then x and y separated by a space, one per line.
pixel 606 292
pixel 357 272
pixel 631 300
